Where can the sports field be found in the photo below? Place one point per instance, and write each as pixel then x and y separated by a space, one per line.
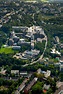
pixel 6 50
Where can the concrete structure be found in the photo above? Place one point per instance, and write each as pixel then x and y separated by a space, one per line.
pixel 59 84
pixel 24 73
pixel 17 56
pixel 21 41
pixel 57 64
pixel 0 25
pixel 30 85
pixel 21 87
pixel 47 73
pixel 21 28
pixel 32 45
pixel 60 90
pixel 16 47
pixel 16 39
pixel 12 34
pixel 46 87
pixel 39 40
pixel 61 45
pixel 39 71
pixel 3 71
pixel 14 71
pixel 61 67
pixel 53 51
pixel 57 39
pixel 35 33
pixel 30 54
pixel 10 42
pixel 61 59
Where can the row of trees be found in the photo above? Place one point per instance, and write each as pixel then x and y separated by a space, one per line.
pixel 11 85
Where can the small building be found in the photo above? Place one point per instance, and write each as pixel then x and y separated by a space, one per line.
pixel 3 72
pixel 21 41
pixel 57 64
pixel 0 25
pixel 47 73
pixel 39 71
pixel 14 71
pixel 30 54
pixel 61 59
pixel 10 42
pixel 16 39
pixel 12 34
pixel 46 87
pixel 57 39
pixel 24 74
pixel 61 45
pixel 39 40
pixel 61 67
pixel 53 51
pixel 32 45
pixel 20 28
pixel 16 47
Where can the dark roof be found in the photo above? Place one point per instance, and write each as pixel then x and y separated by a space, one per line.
pixel 61 58
pixel 57 91
pixel 30 85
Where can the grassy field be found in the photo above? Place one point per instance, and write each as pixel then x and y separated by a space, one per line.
pixel 6 50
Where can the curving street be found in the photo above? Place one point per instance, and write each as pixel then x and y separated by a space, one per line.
pixel 45 38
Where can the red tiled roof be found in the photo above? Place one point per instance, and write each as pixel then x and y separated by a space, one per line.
pixel 44 91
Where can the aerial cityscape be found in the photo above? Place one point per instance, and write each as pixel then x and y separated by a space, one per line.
pixel 31 46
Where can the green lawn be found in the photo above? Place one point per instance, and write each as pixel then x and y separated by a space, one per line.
pixel 6 50
pixel 44 0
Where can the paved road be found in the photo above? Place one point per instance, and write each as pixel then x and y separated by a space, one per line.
pixel 41 55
